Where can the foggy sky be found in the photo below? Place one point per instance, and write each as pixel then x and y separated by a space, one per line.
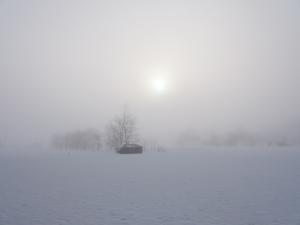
pixel 229 65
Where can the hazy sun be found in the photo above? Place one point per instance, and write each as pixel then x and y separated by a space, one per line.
pixel 159 85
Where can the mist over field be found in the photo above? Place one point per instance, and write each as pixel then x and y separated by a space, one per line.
pixel 161 112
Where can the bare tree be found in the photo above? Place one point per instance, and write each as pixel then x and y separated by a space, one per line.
pixel 121 130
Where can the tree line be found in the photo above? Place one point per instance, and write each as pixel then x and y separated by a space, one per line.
pixel 122 129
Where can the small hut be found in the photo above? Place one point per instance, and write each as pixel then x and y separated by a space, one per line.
pixel 130 149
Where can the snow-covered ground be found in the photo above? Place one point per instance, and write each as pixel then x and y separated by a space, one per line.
pixel 204 187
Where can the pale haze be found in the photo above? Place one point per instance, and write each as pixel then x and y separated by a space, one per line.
pixel 158 112
pixel 209 66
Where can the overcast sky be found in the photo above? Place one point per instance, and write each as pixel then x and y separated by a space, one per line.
pixel 226 65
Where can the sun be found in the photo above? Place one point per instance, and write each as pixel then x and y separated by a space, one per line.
pixel 159 85
pixel 158 82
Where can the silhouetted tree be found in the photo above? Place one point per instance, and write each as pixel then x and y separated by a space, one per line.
pixel 121 130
